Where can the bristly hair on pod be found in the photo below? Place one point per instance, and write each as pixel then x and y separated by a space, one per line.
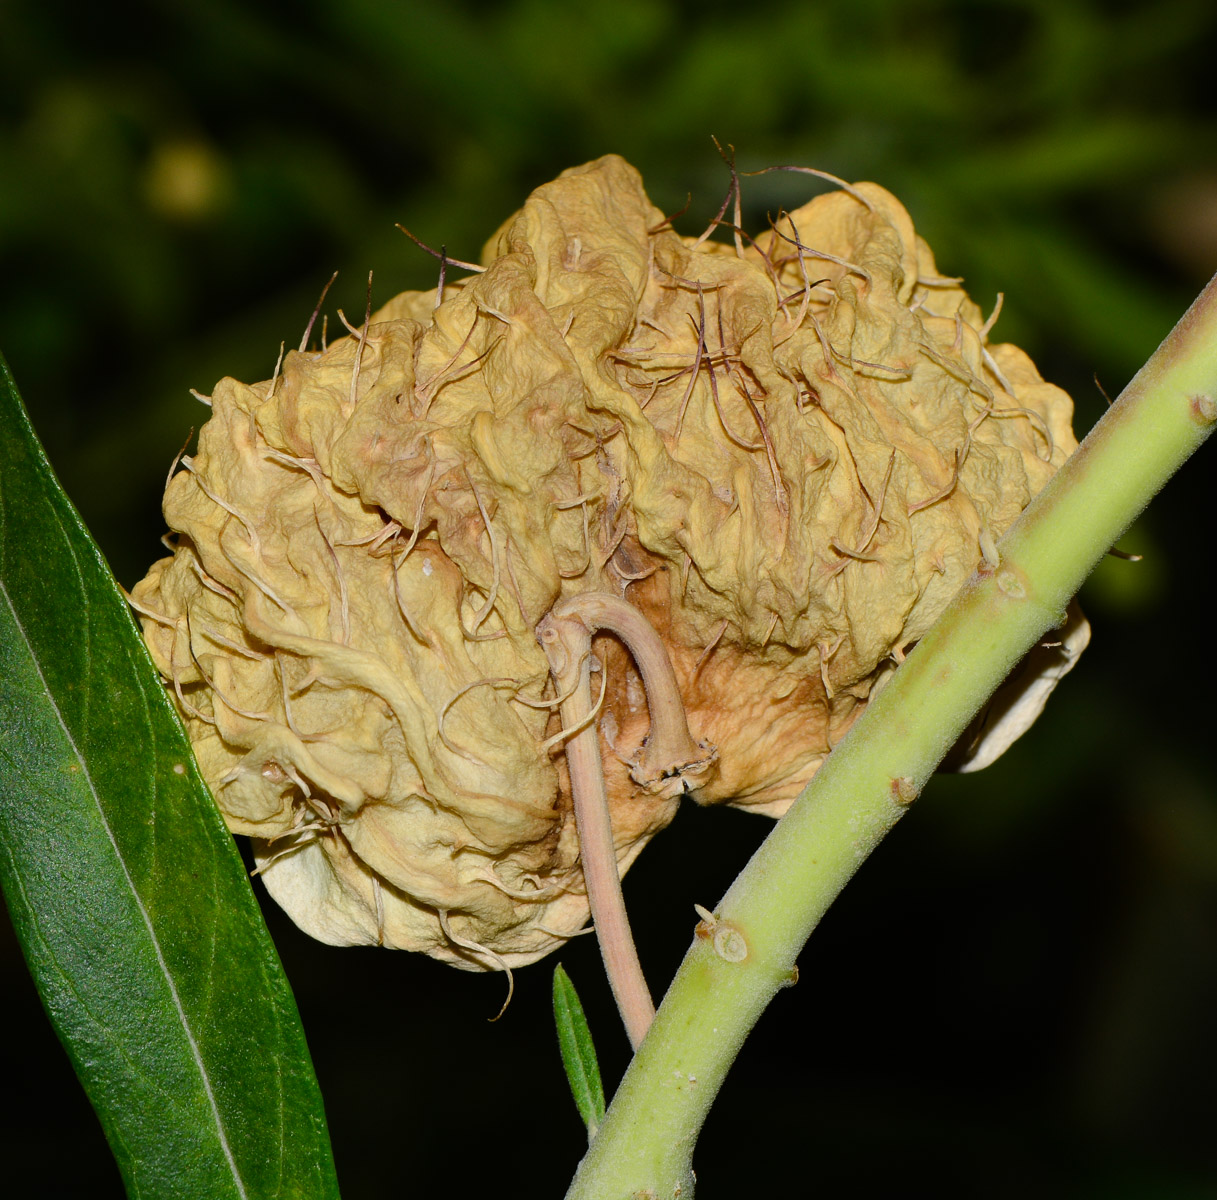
pixel 781 454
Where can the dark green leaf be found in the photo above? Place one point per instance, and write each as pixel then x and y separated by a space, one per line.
pixel 578 1052
pixel 127 893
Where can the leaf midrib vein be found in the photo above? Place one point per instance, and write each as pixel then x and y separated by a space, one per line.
pixel 144 914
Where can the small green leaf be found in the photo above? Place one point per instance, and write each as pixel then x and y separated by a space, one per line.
pixel 578 1052
pixel 128 895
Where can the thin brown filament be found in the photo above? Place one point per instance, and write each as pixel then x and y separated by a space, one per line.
pixel 486 608
pixel 308 329
pixel 709 648
pixel 213 585
pixel 569 731
pixel 443 713
pixel 344 596
pixel 779 488
pixel 443 274
pixel 873 524
pixel 718 408
pixel 729 159
pixel 811 252
pixel 440 254
pixel 667 221
pixel 363 341
pixel 845 187
pixel 941 495
pixel 478 948
pixel 260 584
pixel 255 542
pixel 274 379
pixel 722 212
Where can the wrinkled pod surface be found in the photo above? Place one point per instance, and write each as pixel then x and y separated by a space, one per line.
pixel 777 458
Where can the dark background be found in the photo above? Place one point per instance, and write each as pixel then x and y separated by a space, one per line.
pixel 1016 995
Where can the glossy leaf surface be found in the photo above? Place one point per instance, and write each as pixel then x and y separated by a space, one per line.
pixel 128 895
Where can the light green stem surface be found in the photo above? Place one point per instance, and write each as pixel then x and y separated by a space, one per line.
pixel 736 964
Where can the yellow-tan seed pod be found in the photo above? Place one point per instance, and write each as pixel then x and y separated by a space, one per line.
pixel 784 455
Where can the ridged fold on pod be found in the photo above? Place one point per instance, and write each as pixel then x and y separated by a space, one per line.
pixel 787 456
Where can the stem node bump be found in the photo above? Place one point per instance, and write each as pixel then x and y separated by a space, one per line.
pixel 1011 585
pixel 1204 409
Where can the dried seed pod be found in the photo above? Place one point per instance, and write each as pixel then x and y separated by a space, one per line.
pixel 785 456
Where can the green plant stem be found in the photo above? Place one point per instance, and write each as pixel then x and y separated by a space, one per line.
pixel 739 960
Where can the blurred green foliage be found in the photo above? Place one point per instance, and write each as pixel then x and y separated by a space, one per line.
pixel 178 178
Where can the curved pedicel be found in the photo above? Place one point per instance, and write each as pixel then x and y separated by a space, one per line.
pixel 568 646
pixel 670 759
